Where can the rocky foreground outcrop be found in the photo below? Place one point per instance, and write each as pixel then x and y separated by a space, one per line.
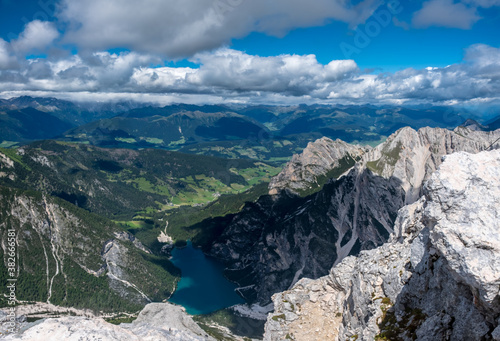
pixel 438 278
pixel 157 322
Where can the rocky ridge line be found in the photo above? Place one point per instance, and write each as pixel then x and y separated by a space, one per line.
pixel 318 159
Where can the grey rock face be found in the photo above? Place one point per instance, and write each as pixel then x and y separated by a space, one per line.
pixel 412 156
pixel 157 322
pixel 125 236
pixel 292 237
pixel 436 279
pixel 318 159
pixel 464 205
pixel 5 161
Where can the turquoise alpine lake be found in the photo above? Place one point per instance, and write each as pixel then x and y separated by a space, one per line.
pixel 203 287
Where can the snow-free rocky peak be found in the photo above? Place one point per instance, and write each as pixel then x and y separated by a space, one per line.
pixel 318 159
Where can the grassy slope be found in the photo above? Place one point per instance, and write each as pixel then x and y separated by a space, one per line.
pixel 121 184
pixel 184 222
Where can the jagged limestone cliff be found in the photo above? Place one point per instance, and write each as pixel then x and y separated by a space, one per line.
pixel 321 160
pixel 438 277
pixel 293 237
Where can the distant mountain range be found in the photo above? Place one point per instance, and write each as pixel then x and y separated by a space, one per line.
pixel 272 133
pixel 185 125
pixel 167 130
pixel 28 124
pixel 72 113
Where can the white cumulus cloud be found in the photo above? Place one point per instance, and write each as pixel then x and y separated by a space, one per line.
pixel 230 75
pixel 37 35
pixel 6 59
pixel 228 70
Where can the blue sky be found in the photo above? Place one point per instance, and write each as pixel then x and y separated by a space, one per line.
pixel 288 51
pixel 394 49
pixel 14 15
